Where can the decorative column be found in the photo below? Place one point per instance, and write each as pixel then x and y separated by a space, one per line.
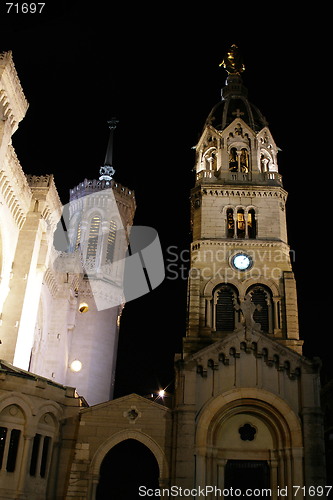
pixel 94 482
pixel 200 467
pixel 221 473
pixel 26 455
pixel 208 322
pixel 274 476
pixel 276 314
pixel 185 412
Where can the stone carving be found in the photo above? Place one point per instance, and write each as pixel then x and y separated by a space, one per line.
pixel 247 432
pixel 247 307
pixel 233 62
pixel 132 414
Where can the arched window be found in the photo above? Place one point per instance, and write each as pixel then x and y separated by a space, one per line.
pixel 111 241
pixel 78 236
pixel 11 429
pixel 240 223
pixel 233 162
pixel 246 224
pixel 262 297
pixel 93 237
pixel 239 160
pixel 209 158
pixel 244 160
pixel 225 300
pixel 42 447
pixel 40 450
pixel 230 223
pixel 251 224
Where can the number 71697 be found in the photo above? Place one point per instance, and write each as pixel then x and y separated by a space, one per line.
pixel 24 8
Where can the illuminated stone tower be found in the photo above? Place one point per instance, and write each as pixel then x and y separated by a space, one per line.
pixel 239 227
pixel 247 402
pixel 101 212
pixel 83 318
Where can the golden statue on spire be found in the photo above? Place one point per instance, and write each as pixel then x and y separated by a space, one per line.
pixel 233 62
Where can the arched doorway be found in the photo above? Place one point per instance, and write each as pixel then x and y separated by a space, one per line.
pixel 248 475
pixel 259 433
pixel 126 467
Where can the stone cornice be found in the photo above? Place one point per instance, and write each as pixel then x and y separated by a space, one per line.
pixel 247 192
pixel 13 100
pixel 14 187
pixel 260 345
pixel 44 190
pixel 240 244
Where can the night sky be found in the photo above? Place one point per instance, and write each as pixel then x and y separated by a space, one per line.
pixel 156 68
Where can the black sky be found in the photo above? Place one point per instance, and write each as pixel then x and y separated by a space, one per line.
pixel 156 68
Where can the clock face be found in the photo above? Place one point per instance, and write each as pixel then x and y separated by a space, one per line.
pixel 241 261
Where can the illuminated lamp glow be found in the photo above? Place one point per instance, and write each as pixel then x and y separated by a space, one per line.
pixel 76 365
pixel 83 307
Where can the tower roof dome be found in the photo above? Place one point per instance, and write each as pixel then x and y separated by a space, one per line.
pixel 234 102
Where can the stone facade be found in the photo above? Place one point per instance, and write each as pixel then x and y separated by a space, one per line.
pixel 106 425
pixel 247 379
pixel 38 420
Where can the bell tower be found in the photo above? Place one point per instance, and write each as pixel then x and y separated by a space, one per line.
pixel 240 255
pixel 247 402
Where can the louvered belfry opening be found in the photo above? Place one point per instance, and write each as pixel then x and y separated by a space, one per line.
pixel 225 308
pixel 111 241
pixel 260 297
pixel 93 237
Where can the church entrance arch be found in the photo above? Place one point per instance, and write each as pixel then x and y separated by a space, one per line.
pixel 252 442
pixel 128 466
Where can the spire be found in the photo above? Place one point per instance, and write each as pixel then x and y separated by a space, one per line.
pixel 234 66
pixel 107 169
